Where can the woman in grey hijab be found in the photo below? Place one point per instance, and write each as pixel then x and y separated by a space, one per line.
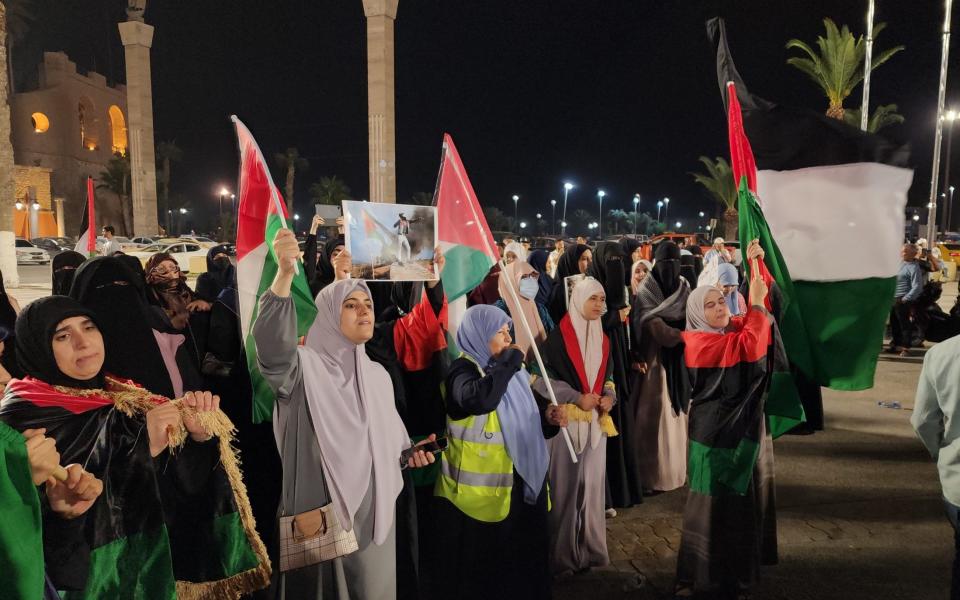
pixel 337 428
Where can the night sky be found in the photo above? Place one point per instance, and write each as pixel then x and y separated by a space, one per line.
pixel 614 94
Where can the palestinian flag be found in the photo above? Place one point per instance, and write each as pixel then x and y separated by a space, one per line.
pixel 21 543
pixel 87 241
pixel 828 205
pixel 262 215
pixel 375 230
pixel 465 238
pixel 175 526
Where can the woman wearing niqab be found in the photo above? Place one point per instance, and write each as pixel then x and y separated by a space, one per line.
pixel 659 394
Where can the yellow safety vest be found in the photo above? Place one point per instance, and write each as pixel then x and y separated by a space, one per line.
pixel 476 473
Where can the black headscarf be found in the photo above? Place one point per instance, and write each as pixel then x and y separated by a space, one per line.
pixel 567 264
pixel 220 274
pixel 34 333
pixel 107 287
pixel 688 269
pixel 608 267
pixel 538 260
pixel 133 264
pixel 64 268
pixel 666 267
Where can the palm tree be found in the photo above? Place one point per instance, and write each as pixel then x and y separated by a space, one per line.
pixel 116 178
pixel 579 219
pixel 291 162
pixel 167 152
pixel 496 220
pixel 422 198
pixel 884 116
pixel 718 180
pixel 329 190
pixel 616 217
pixel 838 66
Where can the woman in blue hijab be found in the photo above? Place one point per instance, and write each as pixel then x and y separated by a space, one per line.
pixel 492 489
pixel 729 281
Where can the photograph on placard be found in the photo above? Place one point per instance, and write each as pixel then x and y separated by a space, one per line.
pixel 390 242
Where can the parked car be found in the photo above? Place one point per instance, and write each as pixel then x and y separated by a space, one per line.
pixel 28 254
pixel 182 252
pixel 950 251
pixel 53 245
pixel 204 242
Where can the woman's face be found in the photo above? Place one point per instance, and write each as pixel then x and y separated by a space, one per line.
pixel 78 348
pixel 594 306
pixel 500 341
pixel 639 273
pixel 729 289
pixel 167 269
pixel 336 252
pixel 715 310
pixel 509 257
pixel 585 259
pixel 356 317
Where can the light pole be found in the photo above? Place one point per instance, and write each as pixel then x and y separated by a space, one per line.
pixel 659 206
pixel 636 203
pixel 553 218
pixel 566 191
pixel 223 192
pixel 950 210
pixel 938 135
pixel 950 116
pixel 539 219
pixel 600 195
pixel 666 209
pixel 516 199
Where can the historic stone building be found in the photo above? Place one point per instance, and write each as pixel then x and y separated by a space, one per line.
pixel 67 129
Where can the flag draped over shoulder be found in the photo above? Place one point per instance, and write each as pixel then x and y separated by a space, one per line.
pixel 175 526
pixel 464 236
pixel 21 543
pixel 827 202
pixel 261 215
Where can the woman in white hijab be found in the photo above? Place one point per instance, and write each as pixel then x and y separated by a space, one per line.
pixel 337 429
pixel 576 355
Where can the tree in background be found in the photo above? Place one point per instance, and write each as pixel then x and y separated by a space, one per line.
pixel 116 178
pixel 497 220
pixel 578 221
pixel 837 66
pixel 718 181
pixel 422 198
pixel 329 190
pixel 291 163
pixel 616 218
pixel 167 153
pixel 883 116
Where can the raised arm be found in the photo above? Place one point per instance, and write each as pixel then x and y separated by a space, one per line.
pixel 470 393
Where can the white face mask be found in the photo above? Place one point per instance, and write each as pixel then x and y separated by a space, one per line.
pixel 529 288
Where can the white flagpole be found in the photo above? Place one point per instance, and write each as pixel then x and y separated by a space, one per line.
pixel 938 137
pixel 536 354
pixel 865 106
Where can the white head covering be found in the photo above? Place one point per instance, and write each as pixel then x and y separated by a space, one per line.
pixel 696 315
pixel 512 274
pixel 350 399
pixel 589 333
pixel 517 248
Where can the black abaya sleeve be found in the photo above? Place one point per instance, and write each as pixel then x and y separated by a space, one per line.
pixel 310 257
pixel 470 393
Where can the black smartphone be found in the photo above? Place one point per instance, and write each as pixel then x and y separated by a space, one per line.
pixel 435 447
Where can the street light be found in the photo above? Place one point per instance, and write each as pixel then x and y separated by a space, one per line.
pixel 18 205
pixel 659 206
pixel 516 199
pixel 636 203
pixel 950 210
pixel 223 192
pixel 666 209
pixel 679 225
pixel 553 217
pixel 523 225
pixel 600 195
pixel 701 214
pixel 566 191
pixel 950 117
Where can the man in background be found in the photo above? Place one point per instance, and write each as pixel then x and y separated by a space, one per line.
pixel 909 287
pixel 111 246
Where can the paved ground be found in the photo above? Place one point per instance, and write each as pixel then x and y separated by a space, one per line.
pixel 859 512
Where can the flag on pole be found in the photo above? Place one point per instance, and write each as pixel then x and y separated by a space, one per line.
pixel 261 215
pixel 464 236
pixel 829 211
pixel 87 242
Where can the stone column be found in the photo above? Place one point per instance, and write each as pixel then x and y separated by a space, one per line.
pixel 61 227
pixel 8 256
pixel 380 99
pixel 137 38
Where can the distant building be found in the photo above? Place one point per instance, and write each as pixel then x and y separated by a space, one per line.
pixel 66 130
